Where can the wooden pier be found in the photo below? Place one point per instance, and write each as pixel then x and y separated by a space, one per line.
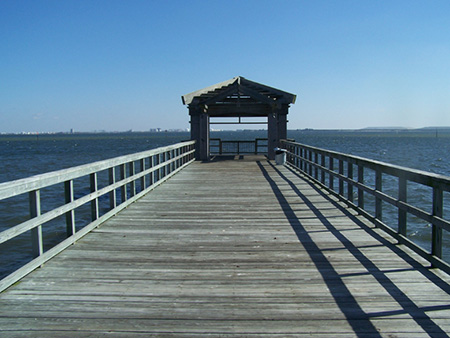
pixel 232 248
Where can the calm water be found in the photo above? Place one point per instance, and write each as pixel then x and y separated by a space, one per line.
pixel 24 156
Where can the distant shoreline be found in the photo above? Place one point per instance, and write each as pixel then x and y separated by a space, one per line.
pixel 161 131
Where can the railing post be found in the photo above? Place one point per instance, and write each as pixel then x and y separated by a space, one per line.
pixel 162 171
pixel 316 170
pixel 331 168
pixel 350 186
pixel 37 245
pixel 112 194
pixel 436 235
pixel 360 191
pixel 158 172
pixel 299 152
pixel 174 163
pixel 94 202
pixel 123 188
pixel 293 156
pixel 142 165
pixel 341 182
pixel 152 174
pixel 168 165
pixel 132 172
pixel 322 172
pixel 304 159
pixel 310 166
pixel 70 215
pixel 183 155
pixel 299 159
pixel 378 202
pixel 402 197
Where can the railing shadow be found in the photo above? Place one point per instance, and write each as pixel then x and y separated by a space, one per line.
pixel 416 266
pixel 359 320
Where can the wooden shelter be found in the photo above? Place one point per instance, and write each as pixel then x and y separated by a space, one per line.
pixel 241 98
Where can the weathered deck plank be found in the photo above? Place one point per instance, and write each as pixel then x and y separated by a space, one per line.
pixel 235 248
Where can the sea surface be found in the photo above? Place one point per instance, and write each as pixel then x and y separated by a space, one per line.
pixel 27 155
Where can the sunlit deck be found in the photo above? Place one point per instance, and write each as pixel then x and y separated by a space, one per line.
pixel 232 248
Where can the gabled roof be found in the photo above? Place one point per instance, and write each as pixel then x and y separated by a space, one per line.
pixel 232 90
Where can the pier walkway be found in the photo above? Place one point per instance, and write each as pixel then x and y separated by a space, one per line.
pixel 232 248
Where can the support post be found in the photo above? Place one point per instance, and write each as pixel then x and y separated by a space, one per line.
pixel 203 142
pixel 350 186
pixel 123 188
pixel 36 233
pixel 94 202
pixel 331 167
pixel 402 197
pixel 436 236
pixel 113 193
pixel 132 171
pixel 70 215
pixel 272 135
pixel 341 181
pixel 143 180
pixel 322 171
pixel 200 131
pixel 378 202
pixel 360 191
pixel 276 129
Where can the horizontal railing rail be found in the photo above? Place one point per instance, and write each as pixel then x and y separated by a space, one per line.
pixel 238 147
pixel 359 179
pixel 106 187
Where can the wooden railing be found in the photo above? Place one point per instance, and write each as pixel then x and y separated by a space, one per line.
pixel 218 146
pixel 386 186
pixel 117 182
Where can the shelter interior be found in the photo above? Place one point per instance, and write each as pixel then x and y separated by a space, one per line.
pixel 238 98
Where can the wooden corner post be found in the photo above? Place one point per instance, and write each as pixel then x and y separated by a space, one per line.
pixel 200 132
pixel 276 129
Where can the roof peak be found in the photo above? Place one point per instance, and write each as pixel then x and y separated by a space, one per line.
pixel 239 80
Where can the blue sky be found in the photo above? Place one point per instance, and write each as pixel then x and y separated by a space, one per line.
pixel 120 65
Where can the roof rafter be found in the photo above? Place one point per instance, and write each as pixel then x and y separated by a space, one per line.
pixel 254 94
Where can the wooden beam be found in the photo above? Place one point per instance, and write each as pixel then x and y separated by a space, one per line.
pixel 243 111
pixel 257 96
